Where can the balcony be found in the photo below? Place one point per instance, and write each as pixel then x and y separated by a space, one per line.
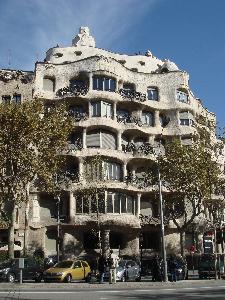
pixel 78 116
pixel 132 95
pixel 76 146
pixel 144 149
pixel 72 90
pixel 139 182
pixel 129 119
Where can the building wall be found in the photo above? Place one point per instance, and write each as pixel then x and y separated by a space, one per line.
pixel 49 82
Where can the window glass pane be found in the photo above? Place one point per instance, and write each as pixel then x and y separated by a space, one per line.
pixel 85 205
pixel 96 109
pixel 116 203
pixel 48 84
pixel 123 203
pixel 109 203
pixel 130 205
pixel 152 94
pixel 17 98
pixel 101 203
pixel 107 84
pixel 6 99
pixel 185 122
pixel 112 84
pixel 94 204
pixel 79 204
pixel 95 83
pixel 182 96
pixel 76 82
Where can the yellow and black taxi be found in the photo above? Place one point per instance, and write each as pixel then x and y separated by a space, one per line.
pixel 67 270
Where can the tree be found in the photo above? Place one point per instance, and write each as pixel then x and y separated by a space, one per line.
pixel 31 139
pixel 192 175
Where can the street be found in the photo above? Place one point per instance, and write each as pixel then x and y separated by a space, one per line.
pixel 128 291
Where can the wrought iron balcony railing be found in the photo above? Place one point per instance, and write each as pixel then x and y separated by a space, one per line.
pixel 128 119
pixel 78 116
pixel 77 145
pixel 73 90
pixel 144 149
pixel 132 95
pixel 140 182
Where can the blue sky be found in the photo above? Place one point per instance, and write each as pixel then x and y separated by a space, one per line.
pixel 189 32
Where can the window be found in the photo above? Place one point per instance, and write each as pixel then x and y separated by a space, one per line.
pixel 112 202
pixel 6 99
pixel 186 118
pixel 76 82
pixel 182 96
pixel 119 203
pixel 49 84
pixel 147 118
pixel 185 122
pixel 16 98
pixel 101 83
pixel 76 111
pixel 101 139
pixel 152 93
pixel 101 109
pixel 128 87
pixel 112 171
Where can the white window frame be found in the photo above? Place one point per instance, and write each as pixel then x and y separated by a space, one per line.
pixel 182 96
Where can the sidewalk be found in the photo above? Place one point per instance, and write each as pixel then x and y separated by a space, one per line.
pixel 106 286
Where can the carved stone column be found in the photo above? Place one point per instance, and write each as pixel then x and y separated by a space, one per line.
pixel 84 138
pixel 138 206
pixel 124 171
pixel 90 81
pixel 81 169
pixel 114 111
pixel 119 139
pixel 157 120
pixel 72 207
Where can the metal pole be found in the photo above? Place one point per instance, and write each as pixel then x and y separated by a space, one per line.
pixel 21 276
pixel 165 277
pixel 58 224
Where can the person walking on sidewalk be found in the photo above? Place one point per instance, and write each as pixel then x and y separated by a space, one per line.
pixel 101 268
pixel 113 264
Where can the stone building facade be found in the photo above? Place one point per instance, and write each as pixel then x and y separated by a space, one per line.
pixel 121 105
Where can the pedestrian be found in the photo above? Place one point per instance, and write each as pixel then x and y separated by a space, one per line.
pixel 173 268
pixel 156 269
pixel 101 268
pixel 113 264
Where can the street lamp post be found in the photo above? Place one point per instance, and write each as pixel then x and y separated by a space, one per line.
pixel 141 239
pixel 58 227
pixel 165 277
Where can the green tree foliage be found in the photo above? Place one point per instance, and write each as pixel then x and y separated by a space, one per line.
pixel 30 142
pixel 192 175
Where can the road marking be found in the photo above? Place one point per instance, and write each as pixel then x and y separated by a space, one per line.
pixel 113 291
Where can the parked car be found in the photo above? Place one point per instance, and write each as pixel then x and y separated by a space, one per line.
pixel 126 270
pixel 67 270
pixel 9 270
pixel 206 267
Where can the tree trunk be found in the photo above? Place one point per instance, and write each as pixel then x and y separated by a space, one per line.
pixel 11 232
pixel 182 235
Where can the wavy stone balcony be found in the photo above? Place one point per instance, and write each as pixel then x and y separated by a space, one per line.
pixel 108 219
pixel 72 91
pixel 130 95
